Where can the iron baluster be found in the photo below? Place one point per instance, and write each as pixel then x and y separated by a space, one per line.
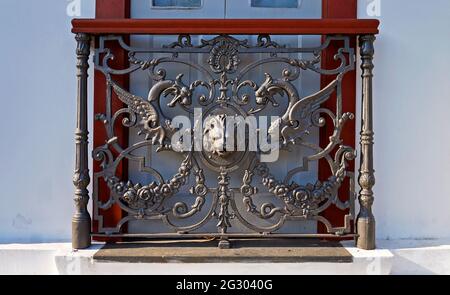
pixel 81 220
pixel 366 219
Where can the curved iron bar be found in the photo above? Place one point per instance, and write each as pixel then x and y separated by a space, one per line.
pixel 302 202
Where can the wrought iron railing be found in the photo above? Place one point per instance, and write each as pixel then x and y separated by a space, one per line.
pixel 223 91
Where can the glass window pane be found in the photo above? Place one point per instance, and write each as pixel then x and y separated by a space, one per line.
pixel 275 4
pixel 177 3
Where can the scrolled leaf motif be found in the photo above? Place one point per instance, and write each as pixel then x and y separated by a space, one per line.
pixel 223 194
pixel 247 189
pixel 144 64
pixel 265 41
pixel 180 92
pixel 306 64
pixel 244 99
pixel 103 154
pixel 184 41
pixel 181 210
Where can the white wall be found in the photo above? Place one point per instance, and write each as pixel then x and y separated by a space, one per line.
pixel 38 117
pixel 38 104
pixel 412 103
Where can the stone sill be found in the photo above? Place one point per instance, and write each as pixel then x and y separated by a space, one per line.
pixel 241 251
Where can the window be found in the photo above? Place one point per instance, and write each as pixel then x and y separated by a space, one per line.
pixel 177 3
pixel 275 4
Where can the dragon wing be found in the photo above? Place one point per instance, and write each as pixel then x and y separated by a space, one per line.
pixel 308 104
pixel 143 108
pixel 136 103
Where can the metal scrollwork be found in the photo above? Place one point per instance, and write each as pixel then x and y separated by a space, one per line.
pixel 227 91
pixel 150 197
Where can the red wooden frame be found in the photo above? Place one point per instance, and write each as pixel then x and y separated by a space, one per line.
pixel 226 26
pixel 334 9
pixel 112 17
pixel 119 9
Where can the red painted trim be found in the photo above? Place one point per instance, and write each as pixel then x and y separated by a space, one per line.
pixel 338 9
pixel 226 26
pixel 110 9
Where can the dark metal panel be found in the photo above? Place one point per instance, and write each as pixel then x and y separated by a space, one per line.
pixel 229 95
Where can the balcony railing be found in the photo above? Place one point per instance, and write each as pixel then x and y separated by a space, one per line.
pixel 224 90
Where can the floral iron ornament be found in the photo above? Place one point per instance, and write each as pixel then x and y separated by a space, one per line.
pixel 224 92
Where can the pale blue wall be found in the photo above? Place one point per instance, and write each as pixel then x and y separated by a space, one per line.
pixel 412 103
pixel 38 106
pixel 412 118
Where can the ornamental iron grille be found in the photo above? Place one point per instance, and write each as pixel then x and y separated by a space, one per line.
pixel 203 189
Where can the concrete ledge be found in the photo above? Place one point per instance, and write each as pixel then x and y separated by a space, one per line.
pixel 391 257
pixel 242 251
pixel 366 262
pixel 31 259
pixel 419 257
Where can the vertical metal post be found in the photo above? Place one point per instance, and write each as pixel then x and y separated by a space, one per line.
pixel 365 220
pixel 81 220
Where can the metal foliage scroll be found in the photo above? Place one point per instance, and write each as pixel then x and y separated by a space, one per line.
pixel 225 92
